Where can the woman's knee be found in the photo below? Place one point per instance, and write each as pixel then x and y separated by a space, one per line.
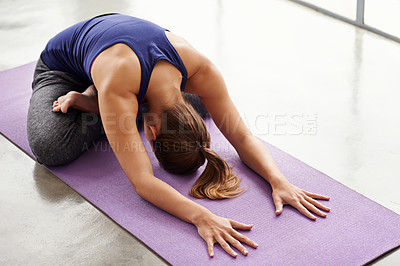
pixel 52 151
pixel 54 144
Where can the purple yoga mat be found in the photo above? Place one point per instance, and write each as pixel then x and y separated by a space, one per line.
pixel 355 232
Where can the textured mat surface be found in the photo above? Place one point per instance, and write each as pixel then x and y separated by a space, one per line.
pixel 356 231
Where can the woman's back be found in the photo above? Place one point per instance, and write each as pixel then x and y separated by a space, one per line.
pixel 75 49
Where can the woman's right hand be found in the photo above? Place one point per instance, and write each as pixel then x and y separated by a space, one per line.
pixel 216 229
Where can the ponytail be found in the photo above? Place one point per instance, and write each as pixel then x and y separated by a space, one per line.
pixel 217 181
pixel 182 127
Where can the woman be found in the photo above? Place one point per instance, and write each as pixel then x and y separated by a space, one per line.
pixel 110 65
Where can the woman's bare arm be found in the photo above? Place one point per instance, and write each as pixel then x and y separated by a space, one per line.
pixel 210 86
pixel 118 108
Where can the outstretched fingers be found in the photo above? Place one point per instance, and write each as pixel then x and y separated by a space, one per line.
pixel 221 231
pixel 244 239
pixel 232 238
pixel 316 196
pixel 312 208
pixel 238 225
pixel 222 242
pixel 302 200
pixel 316 203
pixel 236 243
pixel 210 246
pixel 304 211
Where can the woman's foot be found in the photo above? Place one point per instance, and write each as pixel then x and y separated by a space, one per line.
pixel 85 101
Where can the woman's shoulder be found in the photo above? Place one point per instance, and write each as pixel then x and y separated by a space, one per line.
pixel 117 67
pixel 191 58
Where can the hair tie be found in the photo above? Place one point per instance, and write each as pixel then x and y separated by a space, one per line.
pixel 201 148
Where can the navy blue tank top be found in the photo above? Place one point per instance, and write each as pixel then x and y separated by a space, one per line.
pixel 74 49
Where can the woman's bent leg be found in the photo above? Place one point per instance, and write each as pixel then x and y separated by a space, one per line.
pixel 58 138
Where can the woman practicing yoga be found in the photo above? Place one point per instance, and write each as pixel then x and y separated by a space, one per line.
pixel 98 74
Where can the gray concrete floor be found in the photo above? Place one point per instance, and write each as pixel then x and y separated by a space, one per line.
pixel 45 222
pixel 319 89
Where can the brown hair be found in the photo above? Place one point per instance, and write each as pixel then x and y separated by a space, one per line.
pixel 183 145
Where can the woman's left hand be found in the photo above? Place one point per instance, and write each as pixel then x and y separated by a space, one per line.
pixel 304 201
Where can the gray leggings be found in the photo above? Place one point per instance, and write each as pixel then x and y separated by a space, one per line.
pixel 58 138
